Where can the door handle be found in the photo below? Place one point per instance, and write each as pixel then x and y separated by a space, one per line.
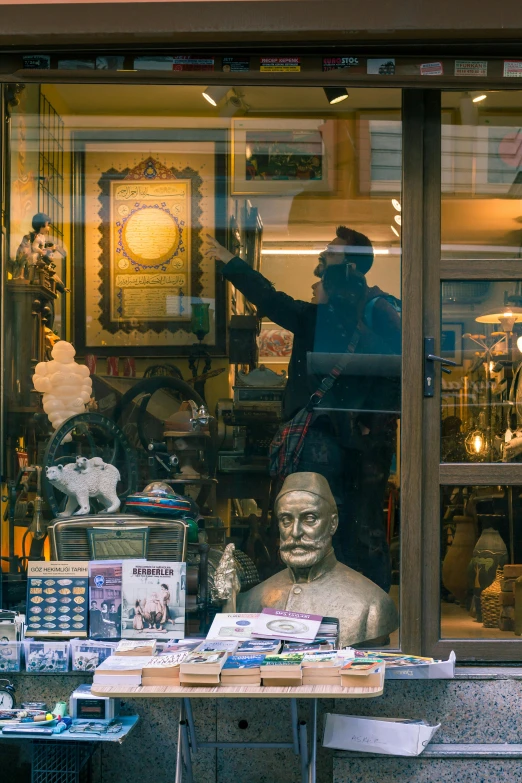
pixel 429 366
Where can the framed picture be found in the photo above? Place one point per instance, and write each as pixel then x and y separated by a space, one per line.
pixel 379 148
pixel 282 156
pixel 451 342
pixel 497 153
pixel 275 344
pixel 143 206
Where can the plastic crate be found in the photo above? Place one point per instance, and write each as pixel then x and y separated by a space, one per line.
pixel 10 657
pixel 61 762
pixel 87 654
pixel 46 657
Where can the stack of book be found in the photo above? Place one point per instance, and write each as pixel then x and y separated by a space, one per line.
pixel 283 669
pixel 329 632
pixel 120 670
pixel 242 670
pixel 202 667
pixel 322 668
pixel 163 669
pixel 363 673
pixel 135 647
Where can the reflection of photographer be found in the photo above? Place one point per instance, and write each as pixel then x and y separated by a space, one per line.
pixel 349 441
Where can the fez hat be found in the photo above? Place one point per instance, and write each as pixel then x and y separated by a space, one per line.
pixel 313 483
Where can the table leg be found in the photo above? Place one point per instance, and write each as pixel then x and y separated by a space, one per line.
pixel 178 777
pixel 303 749
pixel 191 726
pixel 313 743
pixel 186 750
pixel 295 725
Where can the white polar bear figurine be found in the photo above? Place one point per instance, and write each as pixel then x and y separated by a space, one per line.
pixel 86 479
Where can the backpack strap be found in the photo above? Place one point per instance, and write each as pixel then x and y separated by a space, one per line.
pixel 330 379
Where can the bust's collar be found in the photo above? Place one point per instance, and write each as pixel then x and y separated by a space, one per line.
pixel 316 571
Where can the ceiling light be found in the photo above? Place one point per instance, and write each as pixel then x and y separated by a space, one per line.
pixel 335 94
pixel 394 231
pixel 215 93
pixel 398 219
pixel 306 251
pixel 396 204
pixel 477 97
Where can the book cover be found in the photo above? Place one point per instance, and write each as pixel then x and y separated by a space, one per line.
pixel 266 646
pixel 232 625
pixel 291 626
pixel 57 595
pixel 155 665
pixel 185 646
pixel 116 664
pixel 322 660
pixel 240 662
pixel 284 659
pixel 320 645
pixel 208 658
pixel 153 599
pixel 230 645
pixel 136 647
pixel 105 599
pixel 362 667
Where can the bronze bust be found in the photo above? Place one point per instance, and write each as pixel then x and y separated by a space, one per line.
pixel 314 581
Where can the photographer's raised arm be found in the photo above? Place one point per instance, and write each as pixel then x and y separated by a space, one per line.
pixel 277 306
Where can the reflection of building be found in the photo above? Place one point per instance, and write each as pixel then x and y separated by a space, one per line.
pixel 415 158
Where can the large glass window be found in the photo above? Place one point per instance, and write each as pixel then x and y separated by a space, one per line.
pixel 216 260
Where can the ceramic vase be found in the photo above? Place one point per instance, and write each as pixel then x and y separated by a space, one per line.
pixel 490 553
pixel 455 563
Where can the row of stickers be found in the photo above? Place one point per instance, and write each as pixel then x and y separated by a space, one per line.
pixel 383 66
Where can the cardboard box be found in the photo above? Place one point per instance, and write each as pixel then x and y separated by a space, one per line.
pixel 388 736
pixel 443 670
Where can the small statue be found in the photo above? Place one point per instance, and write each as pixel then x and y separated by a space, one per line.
pixel 36 251
pixel 87 478
pixel 66 386
pixel 314 582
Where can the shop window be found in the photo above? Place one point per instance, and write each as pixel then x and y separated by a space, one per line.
pixel 132 204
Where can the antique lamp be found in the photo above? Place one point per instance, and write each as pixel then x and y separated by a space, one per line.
pixel 200 326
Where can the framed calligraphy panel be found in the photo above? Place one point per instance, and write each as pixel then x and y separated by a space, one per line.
pixel 143 207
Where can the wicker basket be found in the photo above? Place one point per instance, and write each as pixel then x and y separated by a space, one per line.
pixel 489 601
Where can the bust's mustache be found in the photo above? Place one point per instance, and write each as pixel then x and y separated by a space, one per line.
pixel 298 544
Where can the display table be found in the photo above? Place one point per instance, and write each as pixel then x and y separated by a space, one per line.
pixel 187 740
pixel 60 758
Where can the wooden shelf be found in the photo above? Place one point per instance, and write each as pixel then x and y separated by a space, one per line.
pixel 235 692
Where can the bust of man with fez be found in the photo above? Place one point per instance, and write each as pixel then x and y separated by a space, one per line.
pixel 314 582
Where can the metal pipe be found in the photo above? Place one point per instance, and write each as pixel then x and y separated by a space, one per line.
pixel 295 725
pixel 303 747
pixel 253 745
pixel 178 776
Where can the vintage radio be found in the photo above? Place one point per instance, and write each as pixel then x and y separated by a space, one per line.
pixel 83 705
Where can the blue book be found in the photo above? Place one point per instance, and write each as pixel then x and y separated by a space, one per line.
pixel 244 661
pixel 267 646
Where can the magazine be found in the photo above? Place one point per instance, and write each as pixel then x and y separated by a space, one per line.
pixel 57 595
pixel 292 626
pixel 105 599
pixel 232 626
pixel 153 600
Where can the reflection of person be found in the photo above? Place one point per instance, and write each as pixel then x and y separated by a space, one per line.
pixel 108 626
pixel 137 621
pixel 314 582
pixel 165 599
pixel 353 442
pixel 95 620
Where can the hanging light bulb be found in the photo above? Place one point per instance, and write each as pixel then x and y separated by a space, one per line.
pixel 476 444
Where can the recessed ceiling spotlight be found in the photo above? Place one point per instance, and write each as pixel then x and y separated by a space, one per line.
pixel 478 97
pixel 395 231
pixel 396 204
pixel 335 94
pixel 398 219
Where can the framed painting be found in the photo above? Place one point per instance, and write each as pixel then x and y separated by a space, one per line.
pixel 282 156
pixel 143 207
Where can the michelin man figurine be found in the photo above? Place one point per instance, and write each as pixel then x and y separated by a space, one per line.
pixel 66 385
pixel 87 478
